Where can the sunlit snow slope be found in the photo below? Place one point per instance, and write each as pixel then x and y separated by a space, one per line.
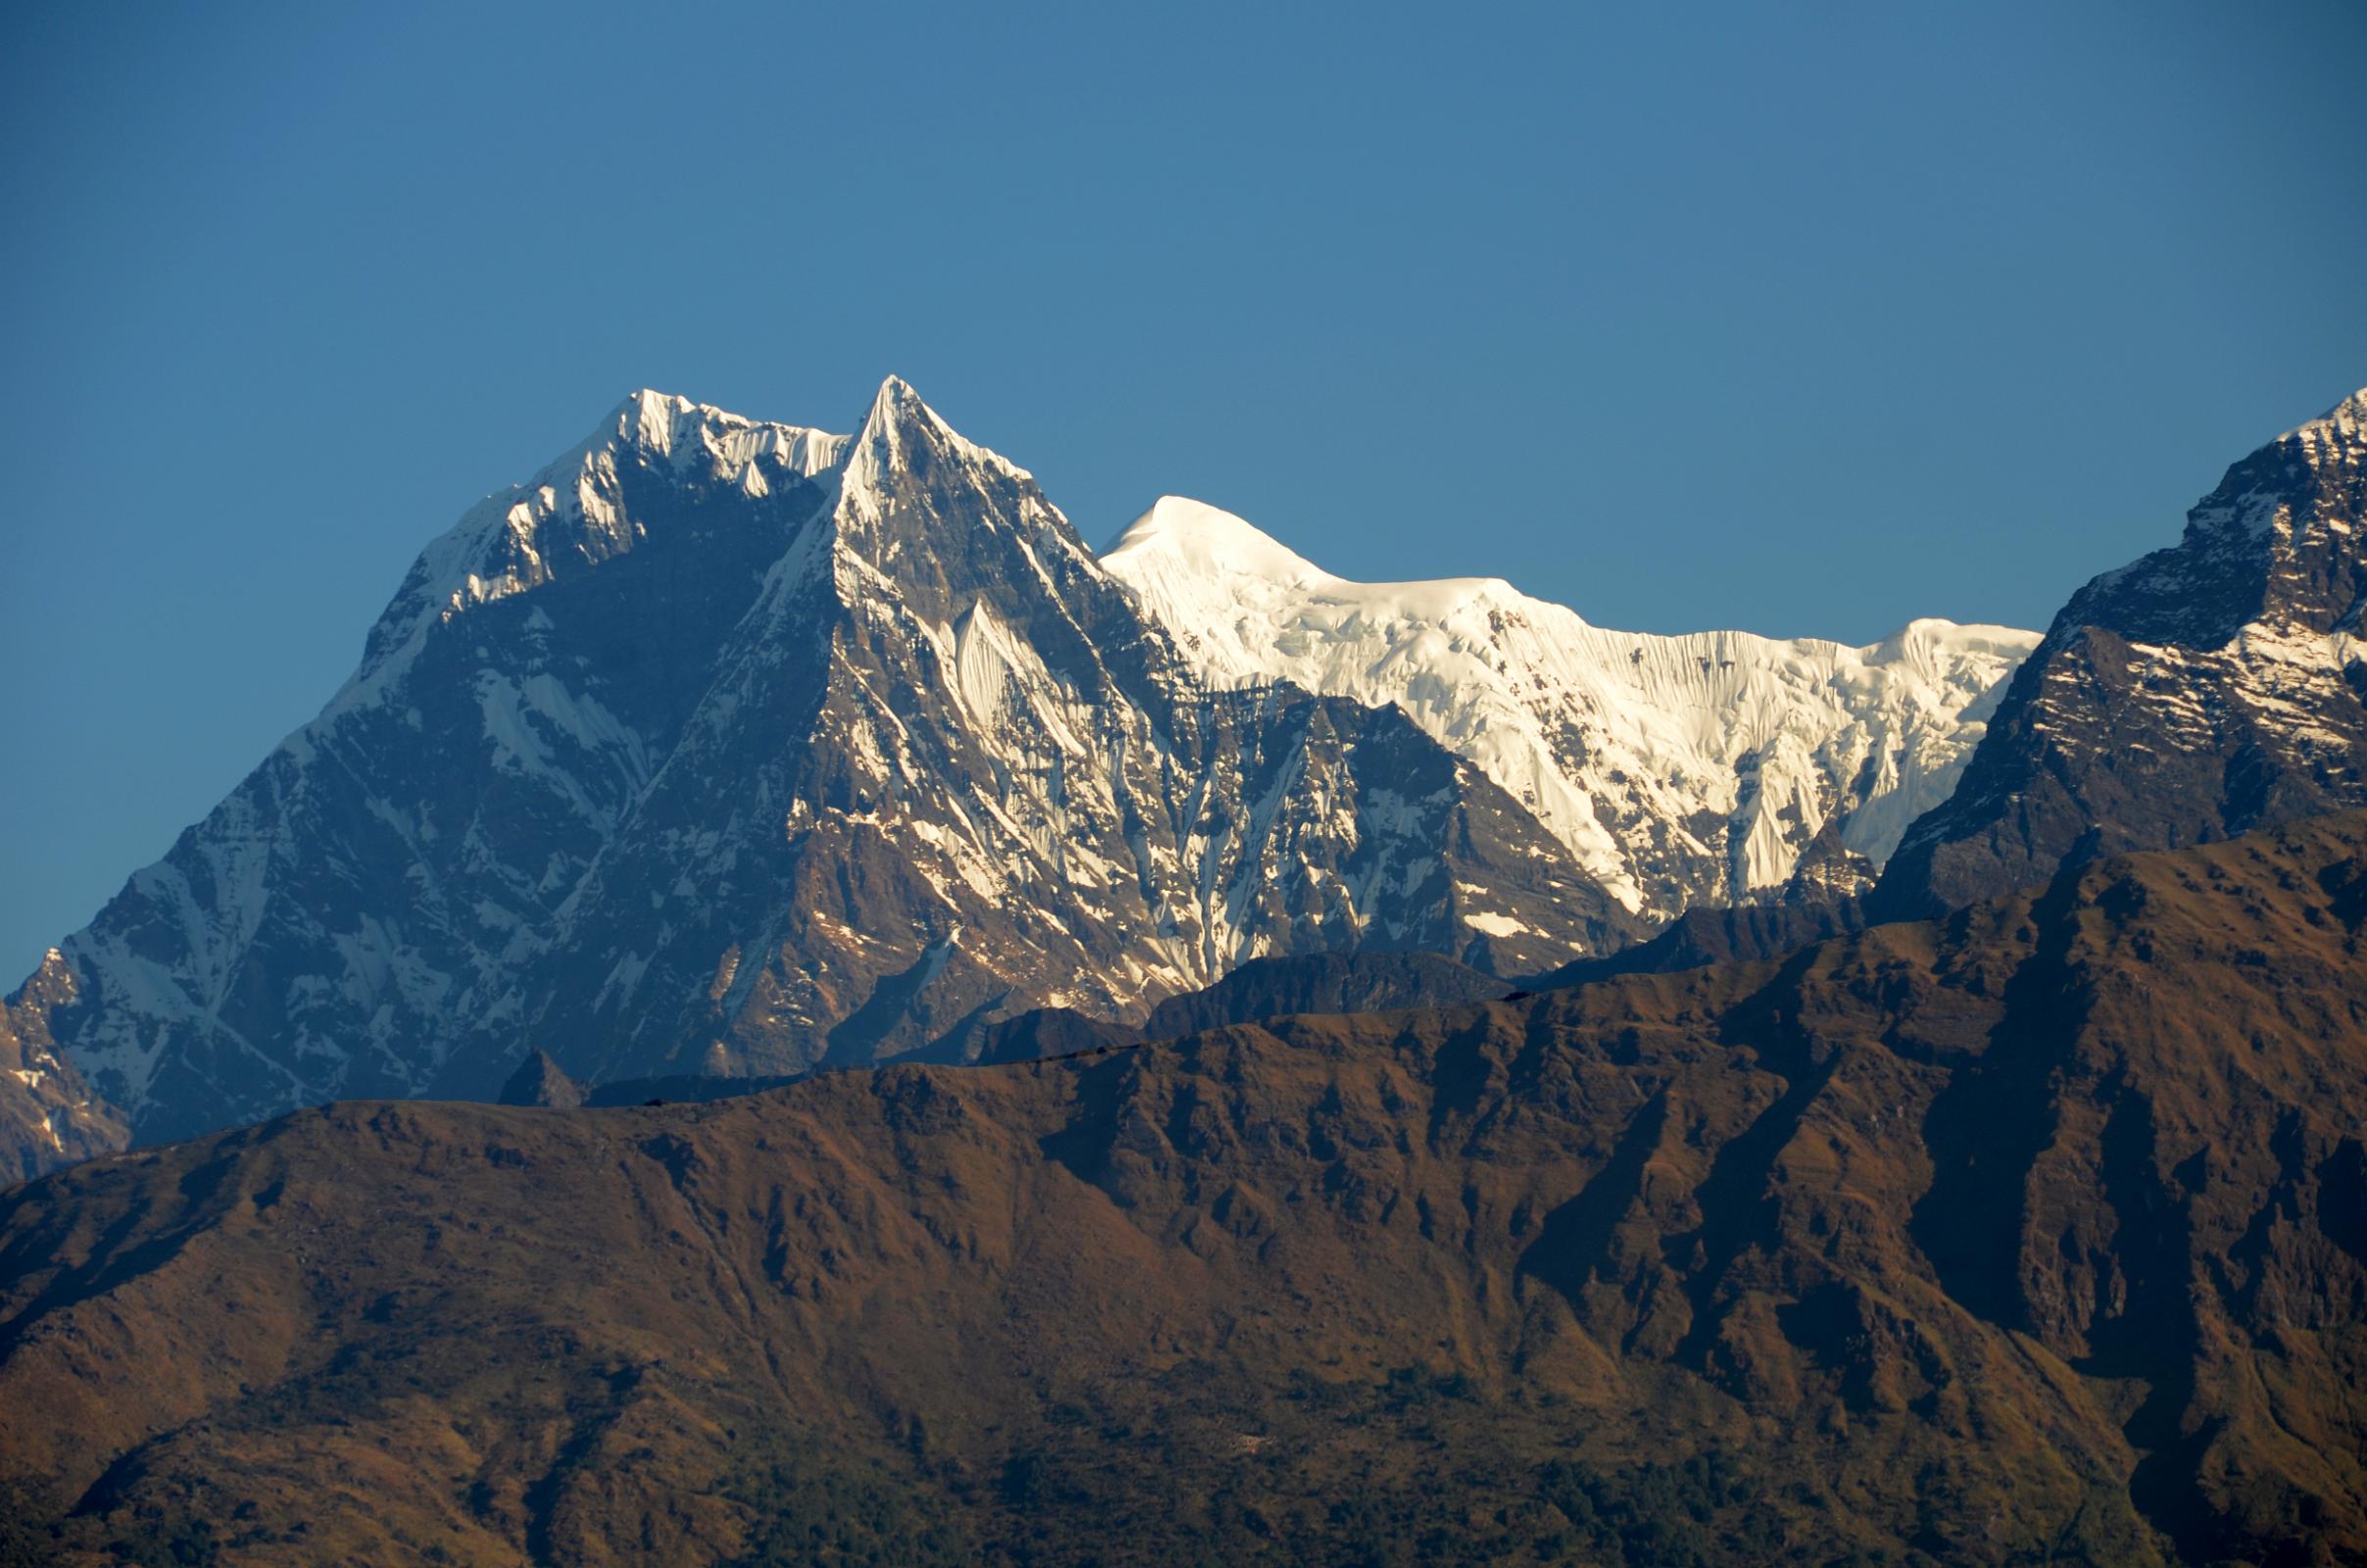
pixel 1680 770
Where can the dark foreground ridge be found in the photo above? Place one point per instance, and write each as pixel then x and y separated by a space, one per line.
pixel 1328 983
pixel 2033 1233
pixel 1699 938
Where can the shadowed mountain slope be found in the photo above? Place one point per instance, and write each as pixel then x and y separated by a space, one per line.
pixel 48 1115
pixel 1328 983
pixel 2210 688
pixel 1323 983
pixel 541 1081
pixel 1750 934
pixel 736 749
pixel 2056 1207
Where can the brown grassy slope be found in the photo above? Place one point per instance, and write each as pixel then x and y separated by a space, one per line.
pixel 2034 1233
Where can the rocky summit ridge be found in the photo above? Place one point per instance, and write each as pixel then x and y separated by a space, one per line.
pixel 737 747
pixel 2211 687
pixel 729 746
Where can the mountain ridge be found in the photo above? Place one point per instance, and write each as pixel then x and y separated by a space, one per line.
pixel 1683 771
pixel 730 747
pixel 2057 1206
pixel 2213 686
pixel 726 746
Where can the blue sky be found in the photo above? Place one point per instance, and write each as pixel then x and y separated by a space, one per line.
pixel 1806 317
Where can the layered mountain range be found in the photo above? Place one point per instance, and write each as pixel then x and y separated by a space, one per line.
pixel 2032 1227
pixel 2034 1233
pixel 729 748
pixel 732 748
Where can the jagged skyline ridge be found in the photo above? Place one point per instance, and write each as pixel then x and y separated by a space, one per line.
pixel 1194 566
pixel 908 614
pixel 907 552
pixel 1630 412
pixel 694 754
pixel 731 746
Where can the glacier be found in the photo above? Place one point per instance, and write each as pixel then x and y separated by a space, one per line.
pixel 1680 770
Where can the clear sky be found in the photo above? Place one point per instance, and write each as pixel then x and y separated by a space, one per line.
pixel 1806 317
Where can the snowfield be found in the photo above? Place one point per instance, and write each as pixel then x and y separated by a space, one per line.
pixel 1679 770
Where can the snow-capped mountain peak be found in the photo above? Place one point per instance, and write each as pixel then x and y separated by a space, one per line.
pixel 1180 534
pixel 572 514
pixel 2347 420
pixel 1678 770
pixel 728 746
pixel 1220 583
pixel 2200 691
pixel 900 424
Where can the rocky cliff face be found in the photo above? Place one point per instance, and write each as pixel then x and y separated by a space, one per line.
pixel 737 747
pixel 2211 687
pixel 2057 1206
pixel 48 1115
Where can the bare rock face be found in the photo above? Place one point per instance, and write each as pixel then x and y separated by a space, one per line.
pixel 48 1115
pixel 2209 688
pixel 2037 1233
pixel 1828 872
pixel 725 747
